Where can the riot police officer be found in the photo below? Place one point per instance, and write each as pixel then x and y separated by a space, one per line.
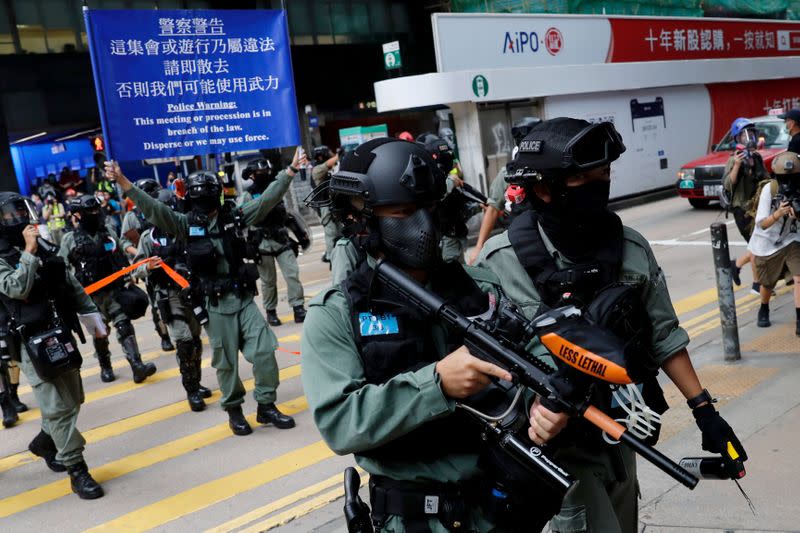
pixel 39 305
pixel 383 380
pixel 133 226
pixel 162 248
pixel 324 161
pixel 571 249
pixel 276 246
pixel 221 268
pixel 95 252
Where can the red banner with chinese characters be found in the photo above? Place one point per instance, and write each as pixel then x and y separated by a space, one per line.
pixel 656 39
pixel 749 99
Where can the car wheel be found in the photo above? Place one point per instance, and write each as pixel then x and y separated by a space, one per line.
pixel 699 203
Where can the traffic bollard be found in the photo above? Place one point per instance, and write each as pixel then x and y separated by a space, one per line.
pixel 727 303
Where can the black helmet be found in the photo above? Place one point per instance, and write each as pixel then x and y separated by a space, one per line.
pixel 440 152
pixel 16 212
pixel 561 147
pixel 150 186
pixel 321 153
pixel 387 171
pixel 258 169
pixel 85 203
pixel 522 128
pixel 203 190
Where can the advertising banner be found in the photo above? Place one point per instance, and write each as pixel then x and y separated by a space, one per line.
pixel 491 41
pixel 187 82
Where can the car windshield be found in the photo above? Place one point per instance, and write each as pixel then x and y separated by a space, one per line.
pixel 773 132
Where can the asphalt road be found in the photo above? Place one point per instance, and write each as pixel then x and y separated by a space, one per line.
pixel 165 468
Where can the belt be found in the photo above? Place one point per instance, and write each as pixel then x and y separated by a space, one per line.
pixel 415 503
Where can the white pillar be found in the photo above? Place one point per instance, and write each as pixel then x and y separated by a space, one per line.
pixel 470 146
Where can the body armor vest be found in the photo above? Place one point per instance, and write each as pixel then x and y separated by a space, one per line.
pixel 202 256
pixel 94 260
pixel 36 312
pixel 593 287
pixel 408 346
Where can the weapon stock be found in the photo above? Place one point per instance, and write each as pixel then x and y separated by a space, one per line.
pixel 526 370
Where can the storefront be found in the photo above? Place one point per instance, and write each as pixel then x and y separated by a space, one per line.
pixel 671 86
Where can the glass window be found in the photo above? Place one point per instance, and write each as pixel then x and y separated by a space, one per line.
pixel 400 18
pixel 6 40
pixel 379 21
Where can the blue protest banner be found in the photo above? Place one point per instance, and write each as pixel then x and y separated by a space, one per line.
pixel 185 82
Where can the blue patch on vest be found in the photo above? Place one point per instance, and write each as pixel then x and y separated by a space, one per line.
pixel 196 231
pixel 108 246
pixel 371 325
pixel 256 196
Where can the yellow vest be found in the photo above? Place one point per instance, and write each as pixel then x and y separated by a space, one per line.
pixel 56 223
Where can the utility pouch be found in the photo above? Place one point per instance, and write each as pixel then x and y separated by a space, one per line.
pixel 53 352
pixel 164 308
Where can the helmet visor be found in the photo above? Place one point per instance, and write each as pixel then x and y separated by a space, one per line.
pixel 17 211
pixel 203 190
pixel 597 145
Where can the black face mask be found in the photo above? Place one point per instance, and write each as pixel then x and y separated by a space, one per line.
pixel 588 199
pixel 788 184
pixel 205 204
pixel 91 222
pixel 412 241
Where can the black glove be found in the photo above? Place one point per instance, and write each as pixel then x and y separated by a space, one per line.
pixel 718 437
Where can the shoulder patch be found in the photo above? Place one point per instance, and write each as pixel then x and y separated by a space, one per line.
pixel 344 241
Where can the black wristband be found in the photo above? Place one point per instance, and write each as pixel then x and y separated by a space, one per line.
pixel 293 169
pixel 703 397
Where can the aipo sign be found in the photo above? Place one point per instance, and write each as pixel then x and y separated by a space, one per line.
pixel 520 42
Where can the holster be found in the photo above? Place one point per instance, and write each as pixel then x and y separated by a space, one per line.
pixel 53 352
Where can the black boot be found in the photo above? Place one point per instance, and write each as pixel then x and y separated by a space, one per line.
pixel 10 415
pixel 141 371
pixel 272 318
pixel 83 484
pixel 104 360
pixel 269 414
pixel 238 423
pixel 166 344
pixel 189 375
pixel 299 314
pixel 198 351
pixel 763 316
pixel 43 446
pixel 18 405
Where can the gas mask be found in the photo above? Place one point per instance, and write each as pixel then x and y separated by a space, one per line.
pixel 91 221
pixel 205 204
pixel 411 241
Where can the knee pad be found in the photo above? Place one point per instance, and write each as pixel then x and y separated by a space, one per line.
pixel 124 329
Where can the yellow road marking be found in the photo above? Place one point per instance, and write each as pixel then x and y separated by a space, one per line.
pixel 698 300
pixel 302 509
pixel 169 450
pixel 207 494
pixel 741 307
pixel 146 356
pixel 138 421
pixel 279 504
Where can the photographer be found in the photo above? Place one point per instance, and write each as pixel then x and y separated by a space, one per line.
pixel 55 216
pixel 744 170
pixel 775 243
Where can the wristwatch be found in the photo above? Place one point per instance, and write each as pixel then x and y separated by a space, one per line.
pixel 701 398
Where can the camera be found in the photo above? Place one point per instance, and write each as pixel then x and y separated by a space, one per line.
pixel 789 194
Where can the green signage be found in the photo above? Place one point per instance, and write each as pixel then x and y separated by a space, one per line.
pixel 391 55
pixel 480 86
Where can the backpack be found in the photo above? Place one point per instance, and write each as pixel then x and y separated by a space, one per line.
pixel 752 206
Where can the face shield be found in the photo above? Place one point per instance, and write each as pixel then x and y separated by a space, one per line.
pixel 597 145
pixel 17 212
pixel 748 138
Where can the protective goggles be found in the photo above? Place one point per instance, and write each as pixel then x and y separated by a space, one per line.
pixel 594 146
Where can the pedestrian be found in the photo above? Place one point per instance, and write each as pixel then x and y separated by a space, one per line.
pixel 276 246
pixel 39 295
pixel 94 252
pixel 383 381
pixel 221 267
pixel 743 172
pixel 775 243
pixel 570 249
pixel 792 122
